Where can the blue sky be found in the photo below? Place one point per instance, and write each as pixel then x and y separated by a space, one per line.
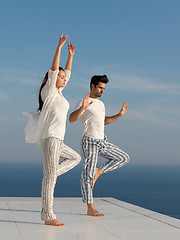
pixel 135 43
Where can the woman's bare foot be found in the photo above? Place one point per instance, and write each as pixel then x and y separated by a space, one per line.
pixel 98 173
pixel 93 212
pixel 54 222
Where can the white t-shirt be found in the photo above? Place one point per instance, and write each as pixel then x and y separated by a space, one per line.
pixel 51 121
pixel 93 118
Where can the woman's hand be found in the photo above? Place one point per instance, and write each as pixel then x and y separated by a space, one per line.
pixel 62 40
pixel 71 48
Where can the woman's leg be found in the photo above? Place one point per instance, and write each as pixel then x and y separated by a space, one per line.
pixel 51 150
pixel 70 159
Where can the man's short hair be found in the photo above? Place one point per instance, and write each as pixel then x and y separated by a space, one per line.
pixel 99 78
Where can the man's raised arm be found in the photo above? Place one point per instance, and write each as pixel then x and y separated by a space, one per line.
pixel 74 116
pixel 112 119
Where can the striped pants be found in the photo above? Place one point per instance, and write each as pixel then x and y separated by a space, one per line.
pixel 91 149
pixel 53 149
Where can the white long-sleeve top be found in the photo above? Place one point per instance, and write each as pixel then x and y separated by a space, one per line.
pixel 51 121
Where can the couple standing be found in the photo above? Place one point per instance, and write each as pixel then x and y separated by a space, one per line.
pixel 47 128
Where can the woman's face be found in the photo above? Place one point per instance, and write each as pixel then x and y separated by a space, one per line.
pixel 61 79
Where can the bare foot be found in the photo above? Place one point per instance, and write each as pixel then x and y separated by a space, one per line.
pixel 97 174
pixel 93 212
pixel 54 222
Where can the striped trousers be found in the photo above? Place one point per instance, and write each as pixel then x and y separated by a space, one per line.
pixel 92 148
pixel 52 149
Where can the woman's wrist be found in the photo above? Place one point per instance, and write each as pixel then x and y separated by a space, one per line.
pixel 59 47
pixel 71 55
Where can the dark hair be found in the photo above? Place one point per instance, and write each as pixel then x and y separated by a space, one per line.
pixel 41 87
pixel 99 78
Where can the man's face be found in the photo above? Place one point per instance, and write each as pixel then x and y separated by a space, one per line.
pixel 98 90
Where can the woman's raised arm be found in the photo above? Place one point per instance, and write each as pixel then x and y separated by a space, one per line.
pixel 71 50
pixel 56 60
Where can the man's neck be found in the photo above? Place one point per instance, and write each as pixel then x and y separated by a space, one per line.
pixel 92 96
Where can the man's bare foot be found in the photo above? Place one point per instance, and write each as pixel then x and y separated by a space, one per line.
pixel 54 222
pixel 98 173
pixel 93 212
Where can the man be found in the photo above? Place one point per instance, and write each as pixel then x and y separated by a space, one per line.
pixel 91 112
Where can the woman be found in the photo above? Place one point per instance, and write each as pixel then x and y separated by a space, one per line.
pixel 47 128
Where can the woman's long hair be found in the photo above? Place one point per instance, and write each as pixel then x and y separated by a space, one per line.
pixel 41 87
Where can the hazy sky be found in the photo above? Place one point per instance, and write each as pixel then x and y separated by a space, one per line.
pixel 136 43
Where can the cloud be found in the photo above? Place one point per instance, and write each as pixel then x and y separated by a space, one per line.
pixel 19 77
pixel 153 117
pixel 122 82
pixel 4 97
pixel 7 118
pixel 151 82
pixel 138 84
pixel 158 115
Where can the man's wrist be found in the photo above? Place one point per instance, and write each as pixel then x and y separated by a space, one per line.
pixel 120 114
pixel 82 108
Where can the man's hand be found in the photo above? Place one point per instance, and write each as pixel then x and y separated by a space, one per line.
pixel 123 109
pixel 86 102
pixel 109 120
pixel 74 116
